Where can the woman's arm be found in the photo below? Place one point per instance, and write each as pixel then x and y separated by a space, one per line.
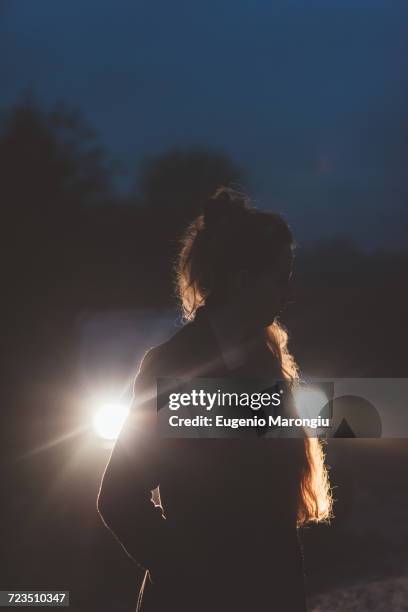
pixel 124 500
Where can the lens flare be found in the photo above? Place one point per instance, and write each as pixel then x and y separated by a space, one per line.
pixel 108 420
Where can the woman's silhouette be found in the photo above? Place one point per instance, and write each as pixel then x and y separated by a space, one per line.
pixel 222 530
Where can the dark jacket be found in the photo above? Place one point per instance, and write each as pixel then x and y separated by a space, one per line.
pixel 229 540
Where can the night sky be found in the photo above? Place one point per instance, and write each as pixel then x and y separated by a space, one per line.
pixel 309 97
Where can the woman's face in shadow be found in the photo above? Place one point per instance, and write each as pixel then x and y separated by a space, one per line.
pixel 261 298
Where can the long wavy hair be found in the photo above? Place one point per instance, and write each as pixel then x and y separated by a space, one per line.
pixel 232 235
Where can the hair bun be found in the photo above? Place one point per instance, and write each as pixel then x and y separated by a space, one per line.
pixel 224 204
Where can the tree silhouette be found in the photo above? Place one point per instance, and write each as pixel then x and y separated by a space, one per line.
pixel 179 179
pixel 52 167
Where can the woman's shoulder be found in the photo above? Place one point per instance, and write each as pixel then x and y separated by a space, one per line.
pixel 179 353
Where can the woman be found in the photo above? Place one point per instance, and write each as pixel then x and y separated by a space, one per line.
pixel 221 530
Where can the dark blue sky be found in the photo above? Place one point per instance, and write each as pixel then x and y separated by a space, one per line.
pixel 310 97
